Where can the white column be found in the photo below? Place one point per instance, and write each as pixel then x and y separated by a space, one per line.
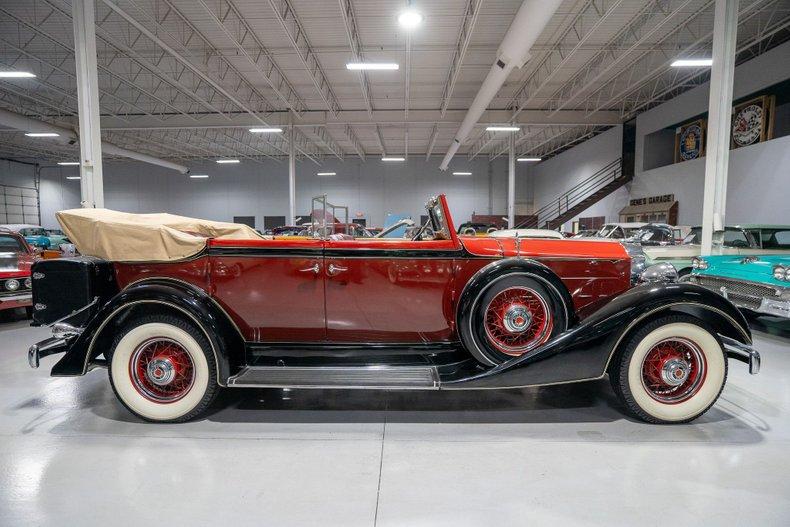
pixel 511 181
pixel 291 176
pixel 725 32
pixel 91 182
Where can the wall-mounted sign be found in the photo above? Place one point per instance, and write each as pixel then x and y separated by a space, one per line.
pixel 690 141
pixel 665 198
pixel 752 121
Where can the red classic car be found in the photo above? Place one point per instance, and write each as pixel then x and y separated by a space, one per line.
pixel 16 257
pixel 431 312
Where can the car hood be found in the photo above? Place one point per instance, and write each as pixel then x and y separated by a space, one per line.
pixel 537 247
pixel 749 268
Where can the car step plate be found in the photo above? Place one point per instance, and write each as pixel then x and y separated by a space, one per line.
pixel 400 377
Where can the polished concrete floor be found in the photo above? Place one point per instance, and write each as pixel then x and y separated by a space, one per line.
pixel 71 455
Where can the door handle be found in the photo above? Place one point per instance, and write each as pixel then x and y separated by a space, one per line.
pixel 315 269
pixel 333 269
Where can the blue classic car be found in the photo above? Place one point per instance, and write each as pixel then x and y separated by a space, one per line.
pixel 760 284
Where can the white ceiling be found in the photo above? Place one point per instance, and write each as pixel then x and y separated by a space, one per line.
pixel 186 78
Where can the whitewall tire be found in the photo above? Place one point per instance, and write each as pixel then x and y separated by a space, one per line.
pixel 671 370
pixel 162 369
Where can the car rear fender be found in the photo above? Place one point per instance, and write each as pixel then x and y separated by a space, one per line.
pixel 174 296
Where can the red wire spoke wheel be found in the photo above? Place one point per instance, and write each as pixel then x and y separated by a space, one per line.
pixel 517 319
pixel 161 370
pixel 673 370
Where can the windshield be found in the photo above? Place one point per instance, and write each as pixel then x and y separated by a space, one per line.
pixel 34 232
pixel 733 237
pixel 11 244
pixel 607 231
pixel 437 219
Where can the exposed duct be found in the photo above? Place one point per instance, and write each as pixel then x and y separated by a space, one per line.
pixel 513 52
pixel 26 124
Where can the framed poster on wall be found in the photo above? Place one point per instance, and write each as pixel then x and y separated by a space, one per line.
pixel 752 121
pixel 690 141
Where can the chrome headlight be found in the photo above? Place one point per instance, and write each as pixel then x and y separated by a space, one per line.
pixel 12 285
pixel 663 272
pixel 782 273
pixel 638 259
pixel 699 263
pixel 28 283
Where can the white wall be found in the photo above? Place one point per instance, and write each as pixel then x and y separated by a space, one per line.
pixel 373 188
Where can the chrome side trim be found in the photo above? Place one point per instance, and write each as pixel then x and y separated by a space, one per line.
pixel 16 298
pixel 742 352
pixel 126 306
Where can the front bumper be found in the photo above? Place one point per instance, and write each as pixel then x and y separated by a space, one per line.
pixel 742 352
pixel 17 300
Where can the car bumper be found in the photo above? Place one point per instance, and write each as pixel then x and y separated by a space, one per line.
pixel 742 352
pixel 17 300
pixel 62 337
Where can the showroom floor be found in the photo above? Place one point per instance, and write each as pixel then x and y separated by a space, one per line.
pixel 71 455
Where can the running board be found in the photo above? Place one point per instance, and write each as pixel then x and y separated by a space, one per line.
pixel 378 377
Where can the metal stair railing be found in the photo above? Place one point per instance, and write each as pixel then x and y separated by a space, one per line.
pixel 566 201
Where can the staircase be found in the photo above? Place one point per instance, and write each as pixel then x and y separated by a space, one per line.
pixel 582 196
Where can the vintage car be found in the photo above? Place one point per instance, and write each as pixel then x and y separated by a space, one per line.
pixel 16 258
pixel 175 318
pixel 741 240
pixel 654 234
pixel 34 235
pixel 759 284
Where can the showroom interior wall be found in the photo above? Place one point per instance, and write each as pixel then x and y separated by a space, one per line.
pixel 752 169
pixel 373 187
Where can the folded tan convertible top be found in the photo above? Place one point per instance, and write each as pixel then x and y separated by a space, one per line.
pixel 125 237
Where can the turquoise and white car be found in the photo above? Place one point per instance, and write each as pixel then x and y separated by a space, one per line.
pixel 758 283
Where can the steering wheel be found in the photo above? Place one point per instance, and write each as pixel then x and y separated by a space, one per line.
pixel 424 230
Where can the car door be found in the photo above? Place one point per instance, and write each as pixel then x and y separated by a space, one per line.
pixel 273 289
pixel 380 291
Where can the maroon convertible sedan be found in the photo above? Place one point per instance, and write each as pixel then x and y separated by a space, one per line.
pixel 211 305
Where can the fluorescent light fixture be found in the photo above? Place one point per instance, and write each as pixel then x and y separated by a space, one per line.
pixel 392 158
pixel 371 66
pixel 227 161
pixel 16 75
pixel 42 134
pixel 325 174
pixel 462 173
pixel 410 19
pixel 68 163
pixel 528 159
pixel 198 176
pixel 266 130
pixel 694 63
pixel 72 177
pixel 503 128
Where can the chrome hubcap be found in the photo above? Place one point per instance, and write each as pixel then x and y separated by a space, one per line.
pixel 517 319
pixel 160 371
pixel 675 372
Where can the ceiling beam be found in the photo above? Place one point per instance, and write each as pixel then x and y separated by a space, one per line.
pixel 347 9
pixel 459 53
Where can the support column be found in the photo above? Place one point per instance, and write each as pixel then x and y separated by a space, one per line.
pixel 291 176
pixel 725 30
pixel 91 181
pixel 511 181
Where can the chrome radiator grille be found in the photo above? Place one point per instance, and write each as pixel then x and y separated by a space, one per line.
pixel 744 294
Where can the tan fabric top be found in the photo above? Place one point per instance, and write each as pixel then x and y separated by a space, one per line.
pixel 125 237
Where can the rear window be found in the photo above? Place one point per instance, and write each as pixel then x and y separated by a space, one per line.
pixel 775 238
pixel 11 244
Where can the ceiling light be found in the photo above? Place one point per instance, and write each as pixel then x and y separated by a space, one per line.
pixel 371 66
pixel 528 159
pixel 68 163
pixel 72 177
pixel 227 161
pixel 16 75
pixel 392 158
pixel 42 134
pixel 410 19
pixel 680 63
pixel 462 173
pixel 266 130
pixel 325 174
pixel 503 128
pixel 198 176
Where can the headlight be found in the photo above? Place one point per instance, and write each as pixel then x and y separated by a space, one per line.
pixel 699 263
pixel 782 273
pixel 637 261
pixel 663 272
pixel 12 285
pixel 28 283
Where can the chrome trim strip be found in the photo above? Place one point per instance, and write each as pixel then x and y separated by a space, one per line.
pixel 16 298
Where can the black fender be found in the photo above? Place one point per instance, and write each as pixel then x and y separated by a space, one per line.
pixel 584 351
pixel 491 272
pixel 190 301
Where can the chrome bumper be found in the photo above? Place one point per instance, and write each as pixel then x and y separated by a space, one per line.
pixel 742 352
pixel 16 298
pixel 62 335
